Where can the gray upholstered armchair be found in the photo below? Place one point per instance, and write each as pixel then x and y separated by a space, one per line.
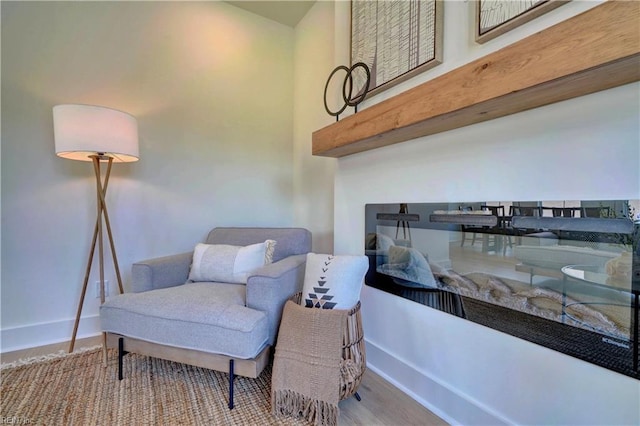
pixel 225 326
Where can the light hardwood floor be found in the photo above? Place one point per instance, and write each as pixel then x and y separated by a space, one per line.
pixel 381 404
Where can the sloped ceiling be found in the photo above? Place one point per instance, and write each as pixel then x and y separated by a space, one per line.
pixel 286 12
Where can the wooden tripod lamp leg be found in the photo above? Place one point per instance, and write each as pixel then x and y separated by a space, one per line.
pixel 96 233
pixel 101 211
pixel 84 288
pixel 108 226
pixel 101 190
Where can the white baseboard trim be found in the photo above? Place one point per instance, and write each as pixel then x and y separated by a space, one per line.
pixel 41 334
pixel 441 399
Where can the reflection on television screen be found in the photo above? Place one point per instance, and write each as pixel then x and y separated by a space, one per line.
pixel 557 273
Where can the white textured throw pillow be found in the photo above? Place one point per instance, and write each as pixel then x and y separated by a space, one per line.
pixel 227 263
pixel 333 282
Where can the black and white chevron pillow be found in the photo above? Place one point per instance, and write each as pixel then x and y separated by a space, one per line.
pixel 333 282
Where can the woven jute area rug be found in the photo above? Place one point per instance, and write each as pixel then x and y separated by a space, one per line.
pixel 77 389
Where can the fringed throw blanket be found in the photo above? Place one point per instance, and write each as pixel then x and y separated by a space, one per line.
pixel 306 368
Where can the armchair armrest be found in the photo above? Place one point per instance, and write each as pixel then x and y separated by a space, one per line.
pixel 269 287
pixel 161 272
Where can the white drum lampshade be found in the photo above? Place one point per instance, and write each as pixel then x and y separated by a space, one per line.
pixel 82 131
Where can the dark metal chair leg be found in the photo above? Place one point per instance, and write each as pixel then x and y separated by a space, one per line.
pixel 121 354
pixel 231 378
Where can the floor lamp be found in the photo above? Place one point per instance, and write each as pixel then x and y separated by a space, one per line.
pixel 96 134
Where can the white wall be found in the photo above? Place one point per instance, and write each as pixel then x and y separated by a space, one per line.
pixel 211 87
pixel 586 148
pixel 488 377
pixel 313 176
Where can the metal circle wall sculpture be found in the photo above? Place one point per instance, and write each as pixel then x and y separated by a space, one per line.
pixel 347 95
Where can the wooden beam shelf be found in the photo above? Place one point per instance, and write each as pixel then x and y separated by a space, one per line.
pixel 596 50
